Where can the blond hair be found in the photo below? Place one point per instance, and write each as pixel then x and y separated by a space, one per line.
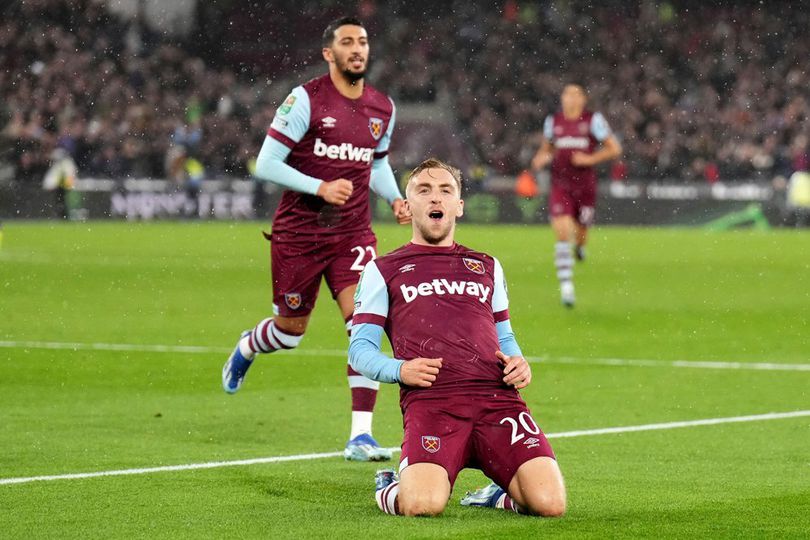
pixel 434 163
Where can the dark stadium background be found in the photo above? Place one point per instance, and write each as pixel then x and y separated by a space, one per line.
pixel 709 99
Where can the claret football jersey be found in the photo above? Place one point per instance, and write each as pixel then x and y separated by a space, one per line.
pixel 439 302
pixel 330 136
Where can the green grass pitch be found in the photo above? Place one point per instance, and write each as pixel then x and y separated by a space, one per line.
pixel 647 294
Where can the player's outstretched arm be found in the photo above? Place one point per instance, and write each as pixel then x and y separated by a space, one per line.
pixel 517 371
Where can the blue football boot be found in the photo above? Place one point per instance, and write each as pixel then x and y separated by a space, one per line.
pixel 384 478
pixel 235 369
pixel 485 497
pixel 365 448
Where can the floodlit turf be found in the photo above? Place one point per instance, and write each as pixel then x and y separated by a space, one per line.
pixel 657 294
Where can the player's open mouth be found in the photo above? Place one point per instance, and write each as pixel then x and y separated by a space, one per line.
pixel 436 215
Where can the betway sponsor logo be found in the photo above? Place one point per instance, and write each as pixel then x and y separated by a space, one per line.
pixel 442 286
pixel 567 142
pixel 344 151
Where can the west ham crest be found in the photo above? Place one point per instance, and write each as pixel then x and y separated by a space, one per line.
pixel 431 444
pixel 293 300
pixel 474 265
pixel 375 126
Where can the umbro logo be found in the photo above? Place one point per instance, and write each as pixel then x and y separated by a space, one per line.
pixel 532 442
pixel 407 268
pixel 329 122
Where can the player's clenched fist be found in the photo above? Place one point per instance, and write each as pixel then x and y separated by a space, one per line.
pixel 336 192
pixel 420 371
pixel 516 369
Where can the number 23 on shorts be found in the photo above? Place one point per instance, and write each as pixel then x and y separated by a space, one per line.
pixel 365 254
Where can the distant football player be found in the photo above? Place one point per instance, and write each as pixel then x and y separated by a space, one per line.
pixel 445 310
pixel 575 140
pixel 327 145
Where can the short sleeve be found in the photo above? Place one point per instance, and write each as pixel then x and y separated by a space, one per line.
pixel 548 128
pixel 599 127
pixel 500 298
pixel 385 142
pixel 371 297
pixel 292 118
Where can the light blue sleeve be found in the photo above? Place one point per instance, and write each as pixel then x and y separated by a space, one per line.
pixel 506 339
pixel 599 127
pixel 370 312
pixel 365 356
pixel 500 305
pixel 293 115
pixel 385 142
pixel 271 167
pixel 548 128
pixel 383 181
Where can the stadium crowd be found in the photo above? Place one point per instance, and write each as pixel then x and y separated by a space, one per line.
pixel 704 91
pixel 692 91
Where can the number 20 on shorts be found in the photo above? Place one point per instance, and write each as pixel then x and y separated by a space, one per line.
pixel 524 424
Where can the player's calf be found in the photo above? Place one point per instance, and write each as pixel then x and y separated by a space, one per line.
pixel 268 337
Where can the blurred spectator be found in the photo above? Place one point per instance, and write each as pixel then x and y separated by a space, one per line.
pixel 695 90
pixel 798 198
pixel 61 180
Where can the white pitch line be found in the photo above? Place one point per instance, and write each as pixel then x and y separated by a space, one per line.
pixel 324 455
pixel 194 349
pixel 697 364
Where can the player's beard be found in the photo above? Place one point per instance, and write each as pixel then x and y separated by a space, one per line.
pixel 348 74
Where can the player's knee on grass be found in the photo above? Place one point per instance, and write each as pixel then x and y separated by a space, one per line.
pixel 423 490
pixel 421 502
pixel 545 503
pixel 538 488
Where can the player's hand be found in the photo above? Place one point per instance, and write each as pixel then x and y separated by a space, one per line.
pixel 420 371
pixel 336 192
pixel 581 159
pixel 516 369
pixel 540 161
pixel 401 212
